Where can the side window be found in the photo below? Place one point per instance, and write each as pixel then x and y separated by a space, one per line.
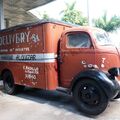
pixel 78 40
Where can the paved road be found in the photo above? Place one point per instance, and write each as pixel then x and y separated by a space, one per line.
pixel 46 105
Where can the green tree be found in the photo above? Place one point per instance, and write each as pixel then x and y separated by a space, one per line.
pixel 70 14
pixel 45 15
pixel 108 25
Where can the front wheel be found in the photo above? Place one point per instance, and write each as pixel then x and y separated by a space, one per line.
pixel 89 97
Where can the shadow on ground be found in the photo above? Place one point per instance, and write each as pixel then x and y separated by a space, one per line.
pixel 57 99
pixel 54 98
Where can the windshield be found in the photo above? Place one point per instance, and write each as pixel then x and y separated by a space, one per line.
pixel 103 38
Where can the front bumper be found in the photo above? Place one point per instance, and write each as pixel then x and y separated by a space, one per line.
pixel 114 89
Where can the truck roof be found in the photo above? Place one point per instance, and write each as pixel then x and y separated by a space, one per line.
pixel 43 21
pixel 84 28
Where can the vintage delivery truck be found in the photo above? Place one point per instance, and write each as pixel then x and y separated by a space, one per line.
pixel 51 54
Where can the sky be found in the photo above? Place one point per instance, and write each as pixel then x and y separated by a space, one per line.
pixel 96 8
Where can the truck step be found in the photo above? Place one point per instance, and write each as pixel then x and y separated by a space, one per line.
pixel 63 90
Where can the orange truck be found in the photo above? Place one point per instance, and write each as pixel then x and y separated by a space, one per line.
pixel 50 55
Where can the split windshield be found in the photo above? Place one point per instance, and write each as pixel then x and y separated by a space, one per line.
pixel 103 38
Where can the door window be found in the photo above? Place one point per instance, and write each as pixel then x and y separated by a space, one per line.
pixel 78 40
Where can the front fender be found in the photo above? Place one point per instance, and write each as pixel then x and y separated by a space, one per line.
pixel 108 85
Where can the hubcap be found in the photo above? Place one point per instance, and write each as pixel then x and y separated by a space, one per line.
pixel 89 95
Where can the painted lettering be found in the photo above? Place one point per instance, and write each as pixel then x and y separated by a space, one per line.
pixel 16 38
pixel 27 36
pixel 26 57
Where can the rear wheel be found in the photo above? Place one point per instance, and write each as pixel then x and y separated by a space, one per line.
pixel 89 97
pixel 8 82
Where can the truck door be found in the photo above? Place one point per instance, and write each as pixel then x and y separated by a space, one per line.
pixel 76 54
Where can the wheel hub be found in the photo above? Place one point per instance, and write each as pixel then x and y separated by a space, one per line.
pixel 89 95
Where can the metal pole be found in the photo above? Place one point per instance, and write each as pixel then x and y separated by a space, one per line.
pixel 7 23
pixel 88 13
pixel 2 26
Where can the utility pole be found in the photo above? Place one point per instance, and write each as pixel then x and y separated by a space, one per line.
pixel 88 13
pixel 2 26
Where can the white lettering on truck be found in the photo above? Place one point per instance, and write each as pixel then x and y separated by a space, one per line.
pixel 31 72
pixel 16 38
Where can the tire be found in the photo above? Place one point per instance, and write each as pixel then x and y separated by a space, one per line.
pixel 118 96
pixel 8 82
pixel 89 97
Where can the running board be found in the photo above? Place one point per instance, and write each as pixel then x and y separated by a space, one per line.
pixel 63 90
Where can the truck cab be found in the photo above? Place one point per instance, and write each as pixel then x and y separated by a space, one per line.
pixel 85 48
pixel 86 56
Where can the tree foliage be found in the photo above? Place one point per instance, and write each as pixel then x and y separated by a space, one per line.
pixel 70 14
pixel 45 16
pixel 108 25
